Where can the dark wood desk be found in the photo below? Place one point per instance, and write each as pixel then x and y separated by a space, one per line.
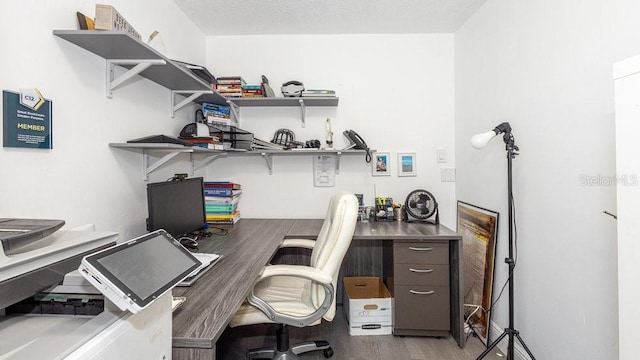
pixel 215 297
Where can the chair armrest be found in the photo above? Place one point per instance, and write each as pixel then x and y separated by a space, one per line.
pixel 305 272
pixel 298 243
pixel 300 271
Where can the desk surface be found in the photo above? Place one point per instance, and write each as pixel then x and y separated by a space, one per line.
pixel 216 296
pixel 396 230
pixel 213 300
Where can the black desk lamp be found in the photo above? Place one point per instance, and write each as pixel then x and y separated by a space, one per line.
pixel 479 141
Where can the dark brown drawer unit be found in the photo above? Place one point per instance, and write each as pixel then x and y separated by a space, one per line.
pixel 421 288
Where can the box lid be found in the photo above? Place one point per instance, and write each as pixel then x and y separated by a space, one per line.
pixel 365 288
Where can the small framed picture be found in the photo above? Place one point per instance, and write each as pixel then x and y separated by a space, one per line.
pixel 407 164
pixel 381 163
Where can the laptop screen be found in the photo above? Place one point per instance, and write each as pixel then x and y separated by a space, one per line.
pixel 140 270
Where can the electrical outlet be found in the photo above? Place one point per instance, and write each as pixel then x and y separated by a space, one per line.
pixel 448 175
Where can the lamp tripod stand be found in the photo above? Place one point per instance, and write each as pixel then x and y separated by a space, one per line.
pixel 510 332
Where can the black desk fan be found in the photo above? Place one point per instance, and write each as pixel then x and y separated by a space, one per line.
pixel 420 206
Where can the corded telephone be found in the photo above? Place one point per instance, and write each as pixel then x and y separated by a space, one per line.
pixel 357 143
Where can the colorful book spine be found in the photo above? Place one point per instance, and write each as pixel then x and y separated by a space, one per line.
pixel 223 216
pixel 221 184
pixel 221 192
pixel 221 200
pixel 220 208
pixel 224 222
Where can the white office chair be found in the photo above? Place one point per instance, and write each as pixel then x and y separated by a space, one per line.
pixel 300 295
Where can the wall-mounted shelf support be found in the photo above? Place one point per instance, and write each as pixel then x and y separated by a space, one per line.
pixel 338 154
pixel 139 66
pixel 235 111
pixel 268 158
pixel 303 112
pixel 191 96
pixel 148 168
pixel 208 161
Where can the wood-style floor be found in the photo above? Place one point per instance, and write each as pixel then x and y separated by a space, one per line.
pixel 361 347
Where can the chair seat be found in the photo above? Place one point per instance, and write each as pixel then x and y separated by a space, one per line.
pixel 286 294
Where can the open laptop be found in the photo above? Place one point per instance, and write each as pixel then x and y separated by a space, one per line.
pixel 135 273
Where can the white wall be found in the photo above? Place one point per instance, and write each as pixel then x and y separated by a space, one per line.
pixel 395 90
pixel 82 180
pixel 627 88
pixel 546 67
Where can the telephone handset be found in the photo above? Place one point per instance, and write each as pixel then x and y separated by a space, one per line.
pixel 357 143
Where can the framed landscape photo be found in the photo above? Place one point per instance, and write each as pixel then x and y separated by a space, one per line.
pixel 407 164
pixel 478 228
pixel 381 164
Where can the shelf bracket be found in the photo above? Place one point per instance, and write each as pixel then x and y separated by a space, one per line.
pixel 338 154
pixel 235 111
pixel 268 158
pixel 208 161
pixel 148 168
pixel 139 66
pixel 303 112
pixel 191 96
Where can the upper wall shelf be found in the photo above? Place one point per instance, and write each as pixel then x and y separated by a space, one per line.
pixel 119 48
pixel 285 101
pixel 122 49
pixel 302 102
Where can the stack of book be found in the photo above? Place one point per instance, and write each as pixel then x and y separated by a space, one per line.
pixel 233 137
pixel 265 145
pixel 252 91
pixel 221 202
pixel 217 115
pixel 207 142
pixel 230 86
pixel 201 72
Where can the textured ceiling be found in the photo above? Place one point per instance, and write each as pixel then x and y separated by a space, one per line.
pixel 257 17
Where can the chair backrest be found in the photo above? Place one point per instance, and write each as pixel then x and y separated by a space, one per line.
pixel 333 242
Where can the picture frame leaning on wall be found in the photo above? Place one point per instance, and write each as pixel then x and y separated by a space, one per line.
pixel 479 230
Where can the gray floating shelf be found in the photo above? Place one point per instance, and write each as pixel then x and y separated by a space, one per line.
pixel 122 49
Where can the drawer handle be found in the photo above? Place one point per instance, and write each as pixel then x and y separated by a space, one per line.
pixel 420 249
pixel 420 270
pixel 421 292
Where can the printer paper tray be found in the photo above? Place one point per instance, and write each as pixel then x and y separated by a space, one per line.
pixel 29 337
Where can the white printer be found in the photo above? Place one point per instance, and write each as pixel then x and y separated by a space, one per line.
pixel 47 267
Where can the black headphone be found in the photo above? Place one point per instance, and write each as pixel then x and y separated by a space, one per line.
pixel 312 144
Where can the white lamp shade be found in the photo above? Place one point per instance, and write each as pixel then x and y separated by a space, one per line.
pixel 479 141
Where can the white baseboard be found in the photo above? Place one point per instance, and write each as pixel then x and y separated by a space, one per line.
pixel 518 351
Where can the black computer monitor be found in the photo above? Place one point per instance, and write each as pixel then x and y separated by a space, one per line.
pixel 176 206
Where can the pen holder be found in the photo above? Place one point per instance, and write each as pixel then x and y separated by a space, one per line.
pixel 384 209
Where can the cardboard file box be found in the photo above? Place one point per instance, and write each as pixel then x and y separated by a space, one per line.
pixel 368 306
